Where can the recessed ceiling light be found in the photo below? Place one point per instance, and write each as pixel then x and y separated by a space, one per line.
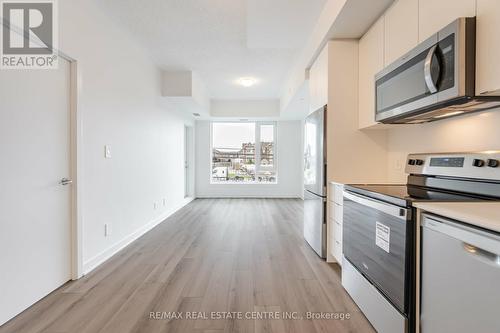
pixel 247 81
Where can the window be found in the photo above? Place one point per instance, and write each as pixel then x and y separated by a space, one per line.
pixel 243 152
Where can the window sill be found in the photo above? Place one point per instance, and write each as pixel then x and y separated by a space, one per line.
pixel 242 183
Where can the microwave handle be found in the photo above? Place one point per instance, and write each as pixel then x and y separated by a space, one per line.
pixel 427 70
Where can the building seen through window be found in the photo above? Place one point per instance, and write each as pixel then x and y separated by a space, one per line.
pixel 243 152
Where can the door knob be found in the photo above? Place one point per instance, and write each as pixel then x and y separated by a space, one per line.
pixel 65 181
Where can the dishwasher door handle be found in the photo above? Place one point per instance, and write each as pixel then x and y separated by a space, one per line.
pixel 482 254
pixel 477 242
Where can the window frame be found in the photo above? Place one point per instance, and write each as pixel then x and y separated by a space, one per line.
pixel 257 152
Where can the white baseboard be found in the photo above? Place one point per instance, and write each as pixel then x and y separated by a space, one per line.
pixel 247 197
pixel 99 259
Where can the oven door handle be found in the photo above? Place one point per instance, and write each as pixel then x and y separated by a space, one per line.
pixel 392 210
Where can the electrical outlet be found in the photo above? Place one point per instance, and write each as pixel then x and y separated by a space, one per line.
pixel 164 202
pixel 107 229
pixel 155 206
pixel 107 151
pixel 399 165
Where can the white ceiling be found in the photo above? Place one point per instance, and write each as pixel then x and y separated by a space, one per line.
pixel 223 40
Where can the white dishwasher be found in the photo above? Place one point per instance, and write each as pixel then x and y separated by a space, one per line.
pixel 460 277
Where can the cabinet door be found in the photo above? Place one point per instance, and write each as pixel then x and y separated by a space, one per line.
pixel 488 47
pixel 401 29
pixel 312 90
pixel 436 14
pixel 371 61
pixel 337 246
pixel 318 81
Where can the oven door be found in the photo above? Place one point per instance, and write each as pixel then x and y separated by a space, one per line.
pixel 377 238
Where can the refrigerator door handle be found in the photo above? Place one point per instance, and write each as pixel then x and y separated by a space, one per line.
pixel 317 195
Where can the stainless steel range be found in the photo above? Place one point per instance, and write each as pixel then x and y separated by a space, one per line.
pixel 379 233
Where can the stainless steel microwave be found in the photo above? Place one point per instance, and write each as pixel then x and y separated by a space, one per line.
pixel 434 80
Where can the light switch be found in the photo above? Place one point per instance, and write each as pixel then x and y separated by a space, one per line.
pixel 107 229
pixel 107 151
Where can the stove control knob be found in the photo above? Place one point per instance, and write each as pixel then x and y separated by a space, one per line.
pixel 412 162
pixel 493 163
pixel 419 162
pixel 478 163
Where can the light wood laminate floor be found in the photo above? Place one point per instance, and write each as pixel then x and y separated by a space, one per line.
pixel 245 256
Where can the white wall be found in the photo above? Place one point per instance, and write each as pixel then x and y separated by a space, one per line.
pixel 120 92
pixel 289 162
pixel 468 133
pixel 245 108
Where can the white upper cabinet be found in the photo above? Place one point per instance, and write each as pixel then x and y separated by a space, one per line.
pixel 318 81
pixel 371 61
pixel 436 14
pixel 488 47
pixel 401 29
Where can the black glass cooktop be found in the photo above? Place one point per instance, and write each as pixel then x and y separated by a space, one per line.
pixel 404 195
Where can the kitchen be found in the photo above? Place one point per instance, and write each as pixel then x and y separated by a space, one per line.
pixel 305 166
pixel 419 76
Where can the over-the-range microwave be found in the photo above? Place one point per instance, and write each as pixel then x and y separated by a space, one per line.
pixel 434 80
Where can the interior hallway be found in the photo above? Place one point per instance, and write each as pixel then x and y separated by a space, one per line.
pixel 213 255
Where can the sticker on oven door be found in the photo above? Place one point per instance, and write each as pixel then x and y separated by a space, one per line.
pixel 382 236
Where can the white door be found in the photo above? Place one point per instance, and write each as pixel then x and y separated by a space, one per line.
pixel 35 209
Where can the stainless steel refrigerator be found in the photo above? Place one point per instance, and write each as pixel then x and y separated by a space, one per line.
pixel 315 181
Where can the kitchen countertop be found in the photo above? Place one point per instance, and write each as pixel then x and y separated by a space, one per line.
pixel 481 214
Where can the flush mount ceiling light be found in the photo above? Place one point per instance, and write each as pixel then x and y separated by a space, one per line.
pixel 247 81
